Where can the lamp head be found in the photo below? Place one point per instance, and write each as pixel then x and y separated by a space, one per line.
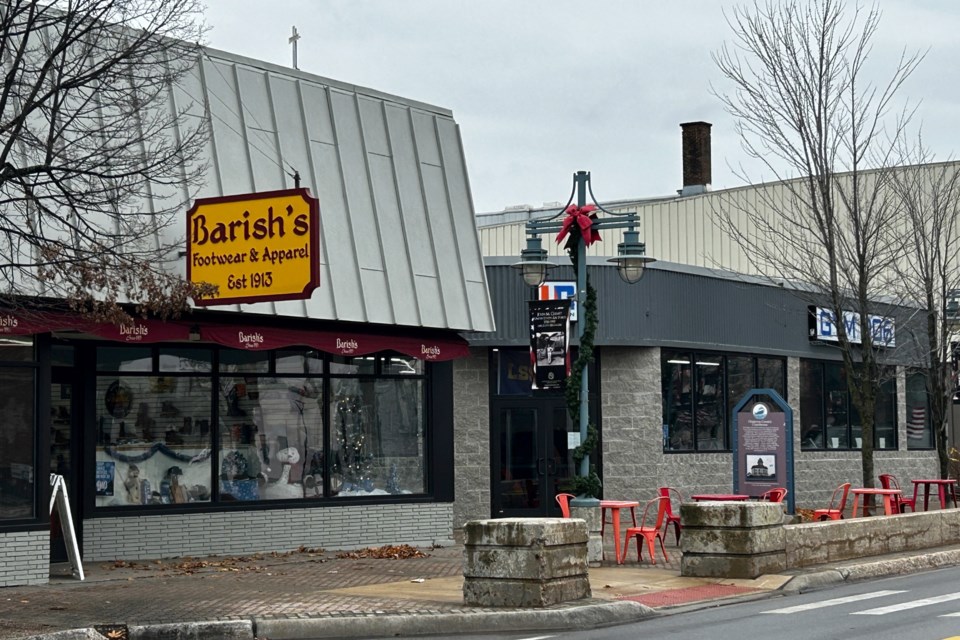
pixel 631 257
pixel 533 263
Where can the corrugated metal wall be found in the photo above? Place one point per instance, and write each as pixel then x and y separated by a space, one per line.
pixel 686 230
pixel 673 305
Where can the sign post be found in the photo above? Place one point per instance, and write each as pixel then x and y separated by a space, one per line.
pixel 763 445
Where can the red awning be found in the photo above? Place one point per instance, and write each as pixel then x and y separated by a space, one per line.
pixel 343 343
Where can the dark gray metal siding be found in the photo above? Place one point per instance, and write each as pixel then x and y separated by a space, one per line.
pixel 672 307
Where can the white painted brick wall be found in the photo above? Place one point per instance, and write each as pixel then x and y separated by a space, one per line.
pixel 226 533
pixel 24 558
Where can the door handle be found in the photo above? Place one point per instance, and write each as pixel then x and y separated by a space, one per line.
pixel 541 466
pixel 551 467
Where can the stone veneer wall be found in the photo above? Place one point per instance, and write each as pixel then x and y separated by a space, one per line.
pixel 241 532
pixel 471 439
pixel 634 464
pixel 26 558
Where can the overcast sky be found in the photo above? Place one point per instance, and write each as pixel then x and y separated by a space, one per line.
pixel 543 88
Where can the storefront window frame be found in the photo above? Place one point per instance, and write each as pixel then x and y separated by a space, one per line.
pixel 841 404
pixel 425 374
pixel 688 359
pixel 38 512
pixel 929 436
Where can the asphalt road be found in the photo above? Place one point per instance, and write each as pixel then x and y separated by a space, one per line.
pixel 922 606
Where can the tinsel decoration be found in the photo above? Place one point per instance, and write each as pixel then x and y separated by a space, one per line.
pixel 154 448
pixel 355 461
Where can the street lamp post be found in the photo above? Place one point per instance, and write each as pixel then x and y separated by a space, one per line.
pixel 583 229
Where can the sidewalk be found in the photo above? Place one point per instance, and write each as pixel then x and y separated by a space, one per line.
pixel 311 593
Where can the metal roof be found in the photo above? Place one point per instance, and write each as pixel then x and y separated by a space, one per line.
pixel 399 244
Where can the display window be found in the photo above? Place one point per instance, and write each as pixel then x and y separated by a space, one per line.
pixel 153 439
pixel 195 425
pixel 376 441
pixel 828 418
pixel 700 390
pixel 18 435
pixel 919 426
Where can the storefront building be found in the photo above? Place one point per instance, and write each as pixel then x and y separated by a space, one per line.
pixel 675 353
pixel 278 422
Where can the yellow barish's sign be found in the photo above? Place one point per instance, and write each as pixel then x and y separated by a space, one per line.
pixel 255 247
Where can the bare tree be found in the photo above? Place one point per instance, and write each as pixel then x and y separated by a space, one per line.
pixel 97 150
pixel 805 111
pixel 929 198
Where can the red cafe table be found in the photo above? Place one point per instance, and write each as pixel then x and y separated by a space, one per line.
pixel 614 506
pixel 944 486
pixel 721 497
pixel 888 495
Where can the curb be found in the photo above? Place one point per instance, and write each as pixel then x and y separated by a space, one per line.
pixel 589 616
pixel 874 569
pixel 579 617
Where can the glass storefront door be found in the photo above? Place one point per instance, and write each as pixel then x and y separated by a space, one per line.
pixel 532 459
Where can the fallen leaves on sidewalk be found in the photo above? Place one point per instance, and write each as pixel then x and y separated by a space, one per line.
pixel 395 552
pixel 805 514
pixel 189 566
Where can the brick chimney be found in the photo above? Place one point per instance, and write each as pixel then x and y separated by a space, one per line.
pixel 696 158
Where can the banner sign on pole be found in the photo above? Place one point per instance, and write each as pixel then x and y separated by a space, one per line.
pixel 560 291
pixel 549 343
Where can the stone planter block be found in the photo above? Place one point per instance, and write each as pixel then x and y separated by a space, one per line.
pixel 732 541
pixel 728 566
pixel 731 514
pixel 525 562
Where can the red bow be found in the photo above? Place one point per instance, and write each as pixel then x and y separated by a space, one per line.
pixel 581 216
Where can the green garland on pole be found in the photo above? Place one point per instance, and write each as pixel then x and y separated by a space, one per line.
pixel 589 485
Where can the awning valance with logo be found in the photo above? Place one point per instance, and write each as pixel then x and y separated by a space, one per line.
pixel 346 342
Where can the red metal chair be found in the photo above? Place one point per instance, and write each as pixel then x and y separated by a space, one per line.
pixel 774 495
pixel 673 518
pixel 838 502
pixel 889 481
pixel 563 499
pixel 649 533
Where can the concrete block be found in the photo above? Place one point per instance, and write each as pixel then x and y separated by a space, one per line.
pixel 860 538
pixel 525 563
pixel 730 514
pixel 805 544
pixel 485 592
pixel 591 515
pixel 523 532
pixel 950 527
pixel 733 541
pixel 730 566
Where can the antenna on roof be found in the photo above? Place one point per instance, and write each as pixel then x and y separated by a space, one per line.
pixel 293 41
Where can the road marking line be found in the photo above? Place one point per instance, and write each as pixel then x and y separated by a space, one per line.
pixel 545 638
pixel 913 604
pixel 834 602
